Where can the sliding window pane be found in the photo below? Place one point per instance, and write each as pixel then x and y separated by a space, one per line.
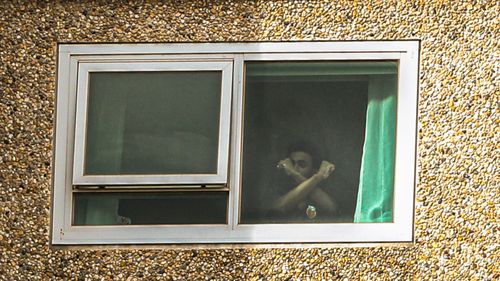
pixel 305 140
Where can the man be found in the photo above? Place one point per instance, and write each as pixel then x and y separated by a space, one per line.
pixel 306 198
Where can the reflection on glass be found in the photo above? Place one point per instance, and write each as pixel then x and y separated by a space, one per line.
pixel 153 123
pixel 318 141
pixel 150 208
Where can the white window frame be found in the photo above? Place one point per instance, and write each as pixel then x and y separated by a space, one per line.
pixel 71 56
pixel 85 68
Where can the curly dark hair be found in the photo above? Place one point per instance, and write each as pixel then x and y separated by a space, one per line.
pixel 308 148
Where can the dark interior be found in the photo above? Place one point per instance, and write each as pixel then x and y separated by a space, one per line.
pixel 329 113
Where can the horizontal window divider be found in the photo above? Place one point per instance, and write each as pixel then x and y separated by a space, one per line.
pixel 152 226
pixel 149 58
pixel 148 188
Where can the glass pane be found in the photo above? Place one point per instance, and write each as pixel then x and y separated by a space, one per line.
pixel 304 138
pixel 150 208
pixel 153 123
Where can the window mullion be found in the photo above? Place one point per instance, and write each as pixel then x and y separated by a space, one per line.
pixel 236 142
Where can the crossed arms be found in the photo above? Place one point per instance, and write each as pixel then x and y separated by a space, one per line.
pixel 306 188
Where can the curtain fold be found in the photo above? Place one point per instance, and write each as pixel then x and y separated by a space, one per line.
pixel 376 184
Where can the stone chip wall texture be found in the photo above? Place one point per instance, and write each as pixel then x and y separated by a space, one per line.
pixel 457 195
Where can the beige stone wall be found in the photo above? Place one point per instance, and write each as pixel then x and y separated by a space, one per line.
pixel 457 202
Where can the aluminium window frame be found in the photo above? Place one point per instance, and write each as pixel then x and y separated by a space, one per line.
pixel 84 70
pixel 400 230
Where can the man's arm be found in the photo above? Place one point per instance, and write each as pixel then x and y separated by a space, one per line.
pixel 324 201
pixel 294 196
pixel 307 187
pixel 287 166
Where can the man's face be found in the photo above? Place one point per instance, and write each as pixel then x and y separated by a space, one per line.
pixel 302 163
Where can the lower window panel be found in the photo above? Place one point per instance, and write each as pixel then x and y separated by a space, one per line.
pixel 150 208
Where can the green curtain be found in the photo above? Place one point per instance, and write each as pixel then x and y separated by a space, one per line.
pixel 376 184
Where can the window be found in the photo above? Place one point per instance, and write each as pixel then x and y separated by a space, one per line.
pixel 132 126
pixel 235 143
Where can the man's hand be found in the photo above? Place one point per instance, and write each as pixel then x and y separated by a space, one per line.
pixel 325 169
pixel 287 166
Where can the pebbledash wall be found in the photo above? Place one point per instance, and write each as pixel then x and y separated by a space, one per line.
pixel 457 194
